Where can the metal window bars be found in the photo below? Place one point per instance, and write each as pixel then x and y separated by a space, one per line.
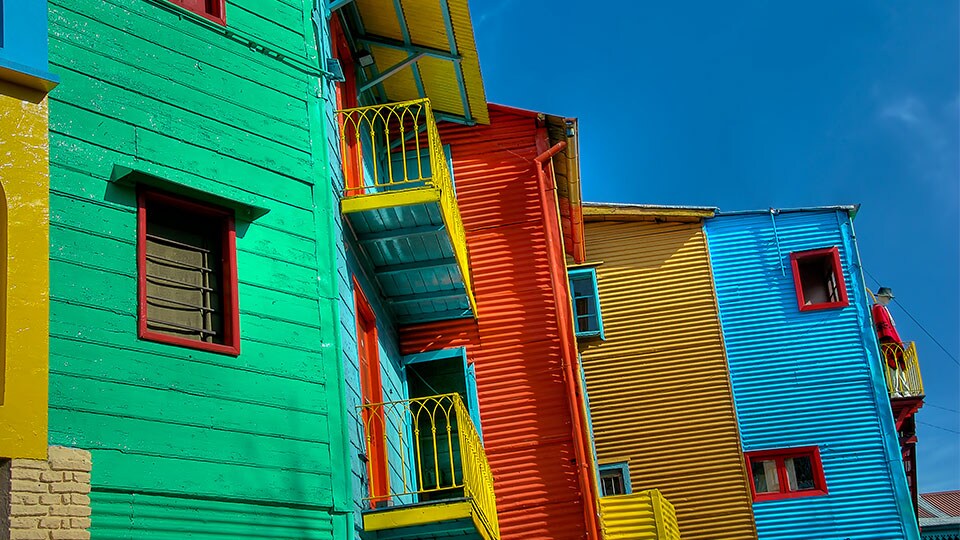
pixel 205 291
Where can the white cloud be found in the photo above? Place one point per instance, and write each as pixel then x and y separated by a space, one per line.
pixel 929 134
pixel 908 110
pixel 489 11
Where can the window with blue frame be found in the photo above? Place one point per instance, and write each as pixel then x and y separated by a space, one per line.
pixel 615 479
pixel 586 303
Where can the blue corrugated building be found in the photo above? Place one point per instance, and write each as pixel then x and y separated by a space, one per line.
pixel 812 405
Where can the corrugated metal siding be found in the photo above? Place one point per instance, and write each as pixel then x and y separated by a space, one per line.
pixel 515 343
pixel 804 378
pixel 638 516
pixel 659 391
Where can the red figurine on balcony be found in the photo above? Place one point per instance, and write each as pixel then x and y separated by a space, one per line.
pixel 891 346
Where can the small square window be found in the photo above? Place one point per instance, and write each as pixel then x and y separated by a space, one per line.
pixel 783 474
pixel 587 320
pixel 818 278
pixel 615 479
pixel 187 273
pixel 208 9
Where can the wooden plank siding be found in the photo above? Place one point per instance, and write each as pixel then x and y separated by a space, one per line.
pixel 187 442
pixel 659 391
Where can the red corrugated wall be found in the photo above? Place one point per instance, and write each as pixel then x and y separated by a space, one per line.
pixel 515 343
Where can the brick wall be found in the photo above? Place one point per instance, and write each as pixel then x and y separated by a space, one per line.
pixel 46 500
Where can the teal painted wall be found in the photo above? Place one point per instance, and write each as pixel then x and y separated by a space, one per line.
pixel 188 443
pixel 351 265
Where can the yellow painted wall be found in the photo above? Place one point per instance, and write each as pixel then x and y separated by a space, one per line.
pixel 643 515
pixel 24 249
pixel 659 389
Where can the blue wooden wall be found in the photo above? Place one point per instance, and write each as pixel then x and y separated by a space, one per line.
pixel 350 266
pixel 810 378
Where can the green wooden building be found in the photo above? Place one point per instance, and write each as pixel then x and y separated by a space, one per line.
pixel 194 321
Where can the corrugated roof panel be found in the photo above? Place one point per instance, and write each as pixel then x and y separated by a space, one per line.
pixel 426 26
pixel 379 18
pixel 947 502
pixel 440 83
pixel 515 342
pixel 398 87
pixel 659 393
pixel 428 35
pixel 470 60
pixel 808 378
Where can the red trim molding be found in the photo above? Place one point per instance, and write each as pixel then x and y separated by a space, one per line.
pixel 371 392
pixel 213 10
pixel 834 255
pixel 231 318
pixel 780 455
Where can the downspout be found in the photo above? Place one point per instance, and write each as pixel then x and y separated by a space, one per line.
pixel 888 430
pixel 567 341
pixel 342 512
pixel 544 157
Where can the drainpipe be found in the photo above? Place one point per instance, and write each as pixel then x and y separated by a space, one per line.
pixel 568 340
pixel 542 159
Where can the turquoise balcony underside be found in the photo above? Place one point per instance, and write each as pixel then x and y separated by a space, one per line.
pixel 413 260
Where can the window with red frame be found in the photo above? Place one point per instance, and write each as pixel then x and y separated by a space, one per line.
pixel 208 9
pixel 818 278
pixel 187 273
pixel 784 474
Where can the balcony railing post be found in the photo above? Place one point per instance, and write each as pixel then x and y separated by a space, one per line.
pixel 376 122
pixel 410 417
pixel 902 369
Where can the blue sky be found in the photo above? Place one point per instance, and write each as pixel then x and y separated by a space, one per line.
pixel 756 104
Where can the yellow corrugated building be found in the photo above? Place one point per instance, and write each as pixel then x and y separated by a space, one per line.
pixel 659 390
pixel 644 515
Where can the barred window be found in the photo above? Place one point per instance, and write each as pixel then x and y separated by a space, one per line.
pixel 615 479
pixel 187 273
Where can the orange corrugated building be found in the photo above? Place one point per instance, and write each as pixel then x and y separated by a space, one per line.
pixel 518 189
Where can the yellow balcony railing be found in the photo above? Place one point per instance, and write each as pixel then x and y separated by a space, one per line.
pixel 902 369
pixel 428 450
pixel 645 515
pixel 395 149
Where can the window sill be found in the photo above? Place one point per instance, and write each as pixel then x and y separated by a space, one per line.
pixel 156 337
pixel 589 335
pixel 30 77
pixel 763 497
pixel 827 305
pixel 199 17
